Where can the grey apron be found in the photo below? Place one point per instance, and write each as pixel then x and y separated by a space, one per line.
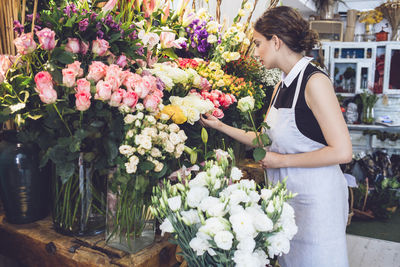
pixel 321 206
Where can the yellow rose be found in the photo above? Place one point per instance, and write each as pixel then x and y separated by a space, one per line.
pixel 175 113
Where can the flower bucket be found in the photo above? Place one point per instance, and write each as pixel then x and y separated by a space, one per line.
pixel 24 187
pixel 79 204
pixel 130 225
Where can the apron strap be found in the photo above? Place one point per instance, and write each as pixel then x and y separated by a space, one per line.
pixel 299 82
pixel 273 99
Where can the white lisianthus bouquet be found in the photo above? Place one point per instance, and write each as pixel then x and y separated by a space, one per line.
pixel 218 220
pixel 150 144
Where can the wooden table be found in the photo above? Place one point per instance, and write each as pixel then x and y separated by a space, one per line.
pixel 37 244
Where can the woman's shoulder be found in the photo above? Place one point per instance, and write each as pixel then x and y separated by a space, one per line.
pixel 313 69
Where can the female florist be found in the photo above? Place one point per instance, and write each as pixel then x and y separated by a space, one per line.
pixel 164 133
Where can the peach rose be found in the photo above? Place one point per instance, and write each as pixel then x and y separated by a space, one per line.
pixel 43 80
pixel 151 102
pixel 100 47
pixel 73 45
pixel 117 97
pixel 130 99
pixel 76 66
pixel 82 100
pixel 25 44
pixel 218 113
pixel 83 48
pixel 83 85
pixel 103 90
pixel 47 38
pixel 48 95
pixel 97 70
pixel 69 77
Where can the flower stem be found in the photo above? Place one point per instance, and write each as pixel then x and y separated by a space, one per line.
pixel 62 119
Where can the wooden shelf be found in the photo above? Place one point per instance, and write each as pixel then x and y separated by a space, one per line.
pixel 37 244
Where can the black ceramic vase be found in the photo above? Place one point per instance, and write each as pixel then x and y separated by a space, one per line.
pixel 24 188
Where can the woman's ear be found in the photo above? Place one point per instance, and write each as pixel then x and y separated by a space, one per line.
pixel 276 42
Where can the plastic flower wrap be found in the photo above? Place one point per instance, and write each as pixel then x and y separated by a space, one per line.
pixel 217 218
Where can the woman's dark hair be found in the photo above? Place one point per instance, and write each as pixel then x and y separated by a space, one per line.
pixel 286 23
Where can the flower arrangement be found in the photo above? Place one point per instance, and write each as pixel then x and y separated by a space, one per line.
pixel 216 218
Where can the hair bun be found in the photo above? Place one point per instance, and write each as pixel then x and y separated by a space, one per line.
pixel 309 39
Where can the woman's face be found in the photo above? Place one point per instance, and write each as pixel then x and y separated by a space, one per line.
pixel 265 50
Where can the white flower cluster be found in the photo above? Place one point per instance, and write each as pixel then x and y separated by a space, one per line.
pixel 223 218
pixel 192 106
pixel 270 77
pixel 150 140
pixel 172 75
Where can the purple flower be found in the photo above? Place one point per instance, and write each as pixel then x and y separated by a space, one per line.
pixel 93 16
pixel 133 35
pixel 160 84
pixel 70 8
pixel 37 28
pixel 100 34
pixel 98 26
pixel 83 25
pixel 84 11
pixel 18 27
pixel 29 17
pixel 140 51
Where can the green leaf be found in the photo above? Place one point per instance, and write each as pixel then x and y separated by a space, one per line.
pixel 170 53
pixel 65 171
pixel 146 166
pixel 265 125
pixel 259 153
pixel 34 117
pixel 65 57
pixel 114 37
pixel 75 145
pixel 162 173
pixel 265 139
pixel 255 142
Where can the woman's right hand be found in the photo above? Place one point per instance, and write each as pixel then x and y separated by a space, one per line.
pixel 210 121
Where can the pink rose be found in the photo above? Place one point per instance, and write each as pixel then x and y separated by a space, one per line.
pixel 130 99
pixel 97 70
pixel 142 88
pixel 47 38
pixel 122 61
pixel 73 45
pixel 48 95
pixel 69 76
pixel 25 44
pixel 124 74
pixel 76 67
pixel 103 90
pixel 2 77
pixel 43 80
pixel 205 84
pixel 83 48
pixel 117 97
pixel 114 81
pixel 100 47
pixel 83 85
pixel 218 113
pixel 225 100
pixel 158 93
pixel 131 80
pixel 151 102
pixel 82 100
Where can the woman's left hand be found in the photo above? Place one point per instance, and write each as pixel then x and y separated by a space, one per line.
pixel 272 160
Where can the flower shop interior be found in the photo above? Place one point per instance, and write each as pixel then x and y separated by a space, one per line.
pixel 104 156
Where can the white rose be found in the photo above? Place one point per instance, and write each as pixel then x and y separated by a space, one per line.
pixel 223 240
pixel 126 150
pixel 151 119
pixel 234 56
pixel 141 151
pixel 246 104
pixel 199 244
pixel 169 147
pixel 246 41
pixel 261 221
pixel 164 117
pixel 212 38
pixel 174 203
pixel 155 152
pixel 129 119
pixel 262 257
pixel 214 225
pixel 174 138
pixel 213 206
pixel 139 107
pixel 182 135
pixel 192 115
pixel 174 128
pixel 166 227
pixel 146 142
pixel 220 83
pixel 159 166
pixel 239 196
pixel 236 174
pixel 130 133
pixel 196 195
pixel 138 123
pixel 140 115
pixel 243 258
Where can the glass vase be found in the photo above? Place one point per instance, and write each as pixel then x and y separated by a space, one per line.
pixel 79 204
pixel 24 187
pixel 130 224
